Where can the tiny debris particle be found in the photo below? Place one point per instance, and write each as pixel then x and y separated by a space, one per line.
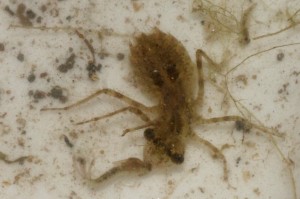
pixel 30 14
pixel 24 20
pixel 43 75
pixel 39 19
pixel 92 69
pixel 20 57
pixel 31 77
pixel 9 11
pixel 19 160
pixel 243 79
pixel 256 191
pixel 68 64
pixel 137 6
pixel 67 141
pixel 38 94
pixel 21 142
pixel 43 8
pixel 81 161
pixel 57 93
pixel 242 126
pixel 201 189
pixel 2 48
pixel 280 56
pixel 68 18
pixel 120 56
pixel 237 162
pixel 103 54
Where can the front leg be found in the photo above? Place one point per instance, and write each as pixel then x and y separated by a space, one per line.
pixel 199 55
pixel 240 122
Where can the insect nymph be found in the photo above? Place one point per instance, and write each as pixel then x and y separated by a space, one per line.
pixel 164 67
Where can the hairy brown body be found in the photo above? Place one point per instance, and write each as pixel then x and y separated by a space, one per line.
pixel 164 64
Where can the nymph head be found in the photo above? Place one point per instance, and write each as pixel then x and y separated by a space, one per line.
pixel 173 147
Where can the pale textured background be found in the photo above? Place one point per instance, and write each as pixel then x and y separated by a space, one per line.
pixel 261 173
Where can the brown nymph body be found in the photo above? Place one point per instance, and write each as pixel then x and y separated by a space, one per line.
pixel 164 68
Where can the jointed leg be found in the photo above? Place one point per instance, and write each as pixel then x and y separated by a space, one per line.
pixel 199 54
pixel 131 109
pixel 199 100
pixel 233 118
pixel 87 43
pixel 108 92
pixel 241 123
pixel 216 153
pixel 127 165
pixel 137 128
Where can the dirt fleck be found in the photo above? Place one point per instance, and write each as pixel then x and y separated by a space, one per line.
pixel 39 19
pixel 2 48
pixel 280 56
pixel 31 77
pixel 170 182
pixel 20 57
pixel 4 129
pixel 24 20
pixel 3 115
pixel 120 56
pixel 201 189
pixel 57 93
pixel 81 161
pixel 284 90
pixel 246 176
pixel 30 14
pixel 242 126
pixel 296 73
pixel 92 69
pixel 9 11
pixel 68 18
pixel 23 174
pixel 180 18
pixel 43 75
pixel 243 79
pixel 254 77
pixel 73 135
pixel 37 94
pixel 137 6
pixel 237 162
pixel 69 64
pixel 256 191
pixel 43 8
pixel 67 141
pixel 209 110
pixel 22 122
pixel 250 144
pixel 21 142
pixel 103 54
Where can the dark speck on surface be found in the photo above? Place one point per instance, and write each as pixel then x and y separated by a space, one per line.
pixel 20 57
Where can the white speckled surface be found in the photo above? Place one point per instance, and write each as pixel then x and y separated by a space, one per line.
pixel 271 93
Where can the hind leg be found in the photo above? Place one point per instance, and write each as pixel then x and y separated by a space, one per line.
pixel 215 152
pixel 133 165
